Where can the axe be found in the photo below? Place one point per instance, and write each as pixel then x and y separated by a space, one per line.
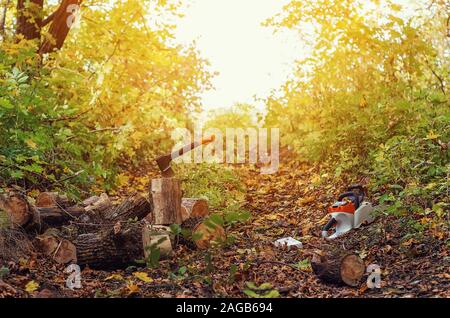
pixel 164 161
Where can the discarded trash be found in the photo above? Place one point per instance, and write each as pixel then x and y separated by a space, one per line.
pixel 288 242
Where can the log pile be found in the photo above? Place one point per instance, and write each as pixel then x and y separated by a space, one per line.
pixel 107 235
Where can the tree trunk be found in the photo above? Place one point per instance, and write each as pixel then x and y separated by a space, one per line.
pixel 61 23
pixel 339 267
pixel 166 196
pixel 196 207
pixel 111 248
pixel 29 18
pixel 134 208
pixel 3 18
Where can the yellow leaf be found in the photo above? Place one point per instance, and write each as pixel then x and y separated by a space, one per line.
pixel 132 288
pixel 31 144
pixel 143 277
pixel 114 277
pixel 31 286
pixel 122 180
pixel 432 135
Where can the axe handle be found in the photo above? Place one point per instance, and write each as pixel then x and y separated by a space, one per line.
pixel 192 146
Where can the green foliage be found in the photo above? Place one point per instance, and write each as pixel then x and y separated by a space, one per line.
pixel 220 185
pixel 4 271
pixel 370 99
pixel 108 100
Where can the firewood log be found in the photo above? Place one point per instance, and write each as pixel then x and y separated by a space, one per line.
pixel 59 249
pixel 166 196
pixel 17 208
pixel 115 247
pixel 57 216
pixel 196 207
pixel 97 205
pixel 185 215
pixel 156 237
pixel 203 233
pixel 339 267
pixel 53 199
pixel 135 208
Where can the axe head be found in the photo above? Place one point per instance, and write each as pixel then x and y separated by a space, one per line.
pixel 164 165
pixel 165 161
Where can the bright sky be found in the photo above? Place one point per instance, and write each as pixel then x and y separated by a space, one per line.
pixel 251 61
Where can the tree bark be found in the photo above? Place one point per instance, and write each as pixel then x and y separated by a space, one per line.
pixel 339 268
pixel 3 18
pixel 166 195
pixel 97 205
pixel 134 208
pixel 59 27
pixel 57 216
pixel 29 18
pixel 111 248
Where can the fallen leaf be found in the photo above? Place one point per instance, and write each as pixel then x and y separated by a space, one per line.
pixel 31 286
pixel 114 277
pixel 132 288
pixel 143 277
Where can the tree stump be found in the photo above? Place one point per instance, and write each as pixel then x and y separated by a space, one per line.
pixel 166 195
pixel 339 268
pixel 196 207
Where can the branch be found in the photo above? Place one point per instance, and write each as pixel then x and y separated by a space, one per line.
pixel 49 19
pixel 67 118
pixel 441 81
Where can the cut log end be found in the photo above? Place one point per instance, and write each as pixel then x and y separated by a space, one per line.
pixel 196 207
pixel 60 250
pixel 352 270
pixel 17 209
pixel 339 268
pixel 205 235
pixel 52 199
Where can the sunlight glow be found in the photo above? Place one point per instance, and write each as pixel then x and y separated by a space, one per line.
pixel 251 61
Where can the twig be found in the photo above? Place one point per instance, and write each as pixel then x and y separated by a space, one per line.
pixel 68 118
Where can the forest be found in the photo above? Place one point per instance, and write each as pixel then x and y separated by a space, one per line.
pixel 92 91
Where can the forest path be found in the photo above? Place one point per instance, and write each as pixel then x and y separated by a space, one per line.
pixel 292 203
